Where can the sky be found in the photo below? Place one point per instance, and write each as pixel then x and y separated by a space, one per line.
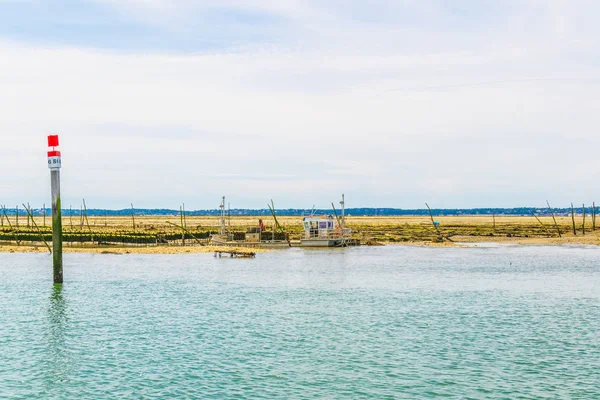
pixel 460 104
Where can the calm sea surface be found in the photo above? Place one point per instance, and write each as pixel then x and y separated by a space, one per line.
pixel 384 323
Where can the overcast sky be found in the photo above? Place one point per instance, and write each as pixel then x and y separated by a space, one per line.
pixel 472 103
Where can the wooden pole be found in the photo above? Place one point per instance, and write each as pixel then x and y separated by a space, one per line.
pixel 185 230
pixel 343 205
pixel 6 215
pixel 594 216
pixel 277 225
pixel 336 214
pixel 14 230
pixel 573 219
pixel 17 216
pixel 544 226
pixel 583 224
pixel 182 224
pixel 57 258
pixel 44 215
pixel 494 218
pixel 440 236
pixel 554 219
pixel 132 218
pixel 27 214
pixel 87 222
pixel 27 208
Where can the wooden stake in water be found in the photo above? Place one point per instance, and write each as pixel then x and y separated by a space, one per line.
pixel 87 222
pixel 583 224
pixel 54 163
pixel 437 229
pixel 132 217
pixel 29 214
pixel 185 230
pixel 573 219
pixel 6 216
pixel 541 223
pixel 182 224
pixel 554 219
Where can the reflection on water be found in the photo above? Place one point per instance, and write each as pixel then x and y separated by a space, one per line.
pixel 58 360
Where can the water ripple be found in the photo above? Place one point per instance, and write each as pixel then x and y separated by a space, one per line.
pixel 385 323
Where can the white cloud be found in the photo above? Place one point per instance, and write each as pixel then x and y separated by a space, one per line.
pixel 390 120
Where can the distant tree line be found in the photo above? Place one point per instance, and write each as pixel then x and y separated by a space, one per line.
pixel 365 211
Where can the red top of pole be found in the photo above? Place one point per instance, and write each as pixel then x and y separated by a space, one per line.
pixel 52 140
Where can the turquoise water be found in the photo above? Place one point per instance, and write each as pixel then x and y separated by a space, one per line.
pixel 383 323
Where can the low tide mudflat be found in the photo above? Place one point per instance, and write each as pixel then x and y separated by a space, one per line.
pixel 368 322
pixel 385 230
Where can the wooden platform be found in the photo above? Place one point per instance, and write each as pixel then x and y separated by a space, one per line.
pixel 235 254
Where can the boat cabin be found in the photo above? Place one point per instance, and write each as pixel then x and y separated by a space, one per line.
pixel 323 227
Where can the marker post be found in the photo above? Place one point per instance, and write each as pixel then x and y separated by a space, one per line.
pixel 54 163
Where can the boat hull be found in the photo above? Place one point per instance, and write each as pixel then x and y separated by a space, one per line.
pixel 321 243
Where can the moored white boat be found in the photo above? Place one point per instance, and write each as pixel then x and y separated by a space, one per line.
pixel 325 231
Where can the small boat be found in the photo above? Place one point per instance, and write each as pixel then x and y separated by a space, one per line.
pixel 325 231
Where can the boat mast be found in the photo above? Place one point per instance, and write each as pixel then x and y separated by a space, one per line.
pixel 342 204
pixel 222 207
